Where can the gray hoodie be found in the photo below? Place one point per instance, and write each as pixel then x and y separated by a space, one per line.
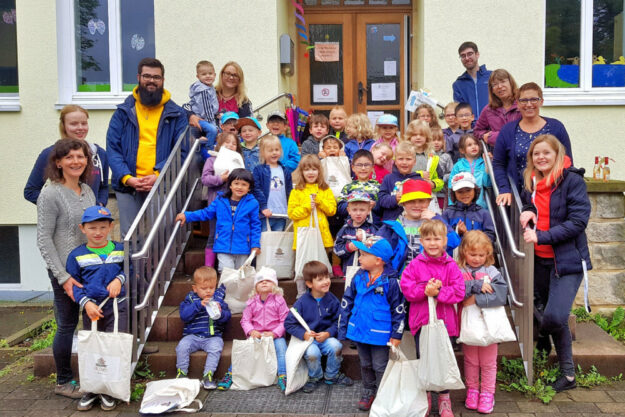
pixel 204 101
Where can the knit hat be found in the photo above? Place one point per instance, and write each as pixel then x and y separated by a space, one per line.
pixel 381 248
pixel 462 180
pixel 415 189
pixel 266 274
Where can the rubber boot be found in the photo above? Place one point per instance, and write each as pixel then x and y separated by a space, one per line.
pixel 209 257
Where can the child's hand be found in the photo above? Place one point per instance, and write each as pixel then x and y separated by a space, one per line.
pixel 269 334
pixel 395 342
pixel 398 197
pixel 93 311
pixel 267 213
pixel 342 153
pixel 321 336
pixel 469 301
pixel 224 176
pixel 313 204
pixel 529 235
pixel 431 290
pixel 180 217
pixel 257 250
pixel 114 288
pixel 461 228
pixel 351 247
pixel 427 214
pixel 255 334
pixel 425 175
pixel 309 334
pixel 205 301
pixel 322 154
pixel 487 288
pixel 438 283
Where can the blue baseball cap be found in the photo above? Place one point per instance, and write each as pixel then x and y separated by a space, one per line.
pixel 229 115
pixel 387 119
pixel 94 213
pixel 382 249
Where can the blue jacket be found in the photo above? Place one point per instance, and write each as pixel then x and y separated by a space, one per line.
pixel 196 319
pixel 235 236
pixel 94 273
pixel 290 153
pixel 262 182
pixel 251 157
pixel 373 314
pixel 473 216
pixel 320 316
pixel 387 203
pixel 122 139
pixel 504 154
pixel 346 235
pixel 352 146
pixel 99 178
pixel 476 94
pixel 478 170
pixel 569 210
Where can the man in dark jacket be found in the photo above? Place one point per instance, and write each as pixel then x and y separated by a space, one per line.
pixel 142 133
pixel 472 86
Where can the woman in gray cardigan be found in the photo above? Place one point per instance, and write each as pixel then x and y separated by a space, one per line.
pixel 59 211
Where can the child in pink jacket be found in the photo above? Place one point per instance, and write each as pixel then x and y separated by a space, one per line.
pixel 264 315
pixel 433 273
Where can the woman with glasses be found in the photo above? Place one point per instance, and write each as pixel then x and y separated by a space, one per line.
pixel 502 107
pixel 231 92
pixel 515 138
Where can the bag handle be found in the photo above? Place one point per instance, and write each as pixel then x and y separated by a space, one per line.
pixel 397 352
pixel 432 310
pixel 288 226
pixel 248 261
pixel 300 319
pixel 268 225
pixel 94 323
pixel 191 410
pixel 355 263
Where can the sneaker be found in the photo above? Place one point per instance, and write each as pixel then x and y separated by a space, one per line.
pixel 473 398
pixel 337 271
pixel 487 403
pixel 69 389
pixel 107 403
pixel 444 406
pixel 208 382
pixel 562 384
pixel 365 401
pixel 226 382
pixel 310 385
pixel 181 374
pixel 340 379
pixel 282 382
pixel 86 402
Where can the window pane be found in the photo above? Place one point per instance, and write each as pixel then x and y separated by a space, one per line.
pixel 383 57
pixel 137 17
pixel 608 36
pixel 326 64
pixel 8 46
pixel 562 42
pixel 92 45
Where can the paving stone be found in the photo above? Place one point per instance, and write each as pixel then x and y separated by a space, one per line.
pixel 584 396
pixel 50 413
pixel 536 407
pixel 577 407
pixel 521 415
pixel 12 413
pixel 465 413
pixel 618 396
pixel 505 407
pixel 40 393
pixel 612 408
pixel 602 415
pixel 559 414
pixel 96 411
pixel 57 403
pixel 11 405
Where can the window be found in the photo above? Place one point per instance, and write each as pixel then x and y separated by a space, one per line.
pixel 100 47
pixel 9 87
pixel 584 49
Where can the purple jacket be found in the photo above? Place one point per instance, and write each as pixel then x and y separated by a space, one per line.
pixel 211 181
pixel 413 281
pixel 265 317
pixel 492 120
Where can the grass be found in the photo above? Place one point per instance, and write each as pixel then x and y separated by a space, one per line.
pixel 613 324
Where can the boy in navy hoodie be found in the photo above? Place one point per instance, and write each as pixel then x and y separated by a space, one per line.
pixel 320 310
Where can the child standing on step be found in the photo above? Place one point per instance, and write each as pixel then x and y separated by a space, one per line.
pixel 205 314
pixel 264 316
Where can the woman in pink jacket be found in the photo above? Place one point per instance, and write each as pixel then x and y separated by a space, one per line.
pixel 263 316
pixel 433 274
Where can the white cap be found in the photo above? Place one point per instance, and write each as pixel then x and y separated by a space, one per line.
pixel 266 274
pixel 462 180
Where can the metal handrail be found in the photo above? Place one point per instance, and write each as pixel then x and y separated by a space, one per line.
pixel 270 101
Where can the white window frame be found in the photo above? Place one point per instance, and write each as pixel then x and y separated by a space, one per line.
pixel 11 101
pixel 585 94
pixel 66 52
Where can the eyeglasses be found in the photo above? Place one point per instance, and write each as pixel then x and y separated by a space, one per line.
pixel 467 55
pixel 464 115
pixel 449 116
pixel 363 165
pixel 148 77
pixel 230 75
pixel 532 100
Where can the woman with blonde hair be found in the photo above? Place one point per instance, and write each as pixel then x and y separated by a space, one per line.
pixel 231 91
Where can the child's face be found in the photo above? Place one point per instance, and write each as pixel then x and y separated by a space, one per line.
pixel 205 289
pixel 318 130
pixel 319 286
pixel 358 211
pixel 368 261
pixel 414 208
pixel 249 134
pixel 276 126
pixel 311 175
pixel 206 75
pixel 465 118
pixel 544 157
pixel 424 114
pixel 97 232
pixel 380 156
pixel 272 154
pixel 230 143
pixel 450 118
pixel 239 188
pixel 471 148
pixel 434 245
pixel 230 126
pixel 465 195
pixel 264 287
pixel 475 257
pixel 350 130
pixel 363 168
pixel 437 143
pixel 418 140
pixel 387 132
pixel 331 148
pixel 404 162
pixel 337 120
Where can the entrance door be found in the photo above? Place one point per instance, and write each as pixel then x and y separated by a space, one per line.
pixel 358 62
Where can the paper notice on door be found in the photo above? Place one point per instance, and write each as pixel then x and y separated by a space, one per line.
pixel 325 93
pixel 327 51
pixel 390 68
pixel 373 116
pixel 383 92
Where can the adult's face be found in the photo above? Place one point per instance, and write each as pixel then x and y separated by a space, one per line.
pixel 151 82
pixel 529 104
pixel 469 58
pixel 502 89
pixel 73 164
pixel 76 125
pixel 230 77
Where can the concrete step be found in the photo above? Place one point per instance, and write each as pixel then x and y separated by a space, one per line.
pixel 168 326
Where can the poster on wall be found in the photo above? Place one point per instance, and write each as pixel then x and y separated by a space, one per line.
pixel 325 93
pixel 373 116
pixel 327 51
pixel 383 92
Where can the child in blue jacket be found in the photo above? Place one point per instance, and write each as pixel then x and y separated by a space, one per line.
pixel 238 225
pixel 473 163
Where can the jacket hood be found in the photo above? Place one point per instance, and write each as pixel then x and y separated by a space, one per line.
pixel 197 87
pixel 441 260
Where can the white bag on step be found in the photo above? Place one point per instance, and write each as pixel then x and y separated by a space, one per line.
pixel 310 246
pixel 337 173
pixel 438 369
pixel 227 160
pixel 104 360
pixel 169 395
pixel 254 363
pixel 296 368
pixel 276 251
pixel 400 393
pixel 239 284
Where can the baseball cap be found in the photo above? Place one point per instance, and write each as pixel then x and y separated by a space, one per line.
pixel 94 213
pixel 358 196
pixel 229 115
pixel 462 180
pixel 381 248
pixel 248 121
pixel 387 119
pixel 415 189
pixel 266 274
pixel 276 113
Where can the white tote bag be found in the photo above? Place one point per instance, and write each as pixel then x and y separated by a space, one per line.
pixel 337 173
pixel 104 360
pixel 310 246
pixel 351 270
pixel 296 368
pixel 239 284
pixel 485 326
pixel 438 369
pixel 498 325
pixel 400 393
pixel 254 363
pixel 276 251
pixel 227 160
pixel 169 395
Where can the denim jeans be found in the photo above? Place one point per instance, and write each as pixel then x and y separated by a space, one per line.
pixel 332 349
pixel 277 225
pixel 192 343
pixel 230 261
pixel 107 324
pixel 373 361
pixel 66 316
pixel 556 294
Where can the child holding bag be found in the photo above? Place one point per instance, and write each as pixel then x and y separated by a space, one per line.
pixel 485 287
pixel 264 316
pixel 433 273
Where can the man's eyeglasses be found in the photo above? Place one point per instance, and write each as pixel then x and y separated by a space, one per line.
pixel 148 77
pixel 532 100
pixel 363 165
pixel 467 55
pixel 230 75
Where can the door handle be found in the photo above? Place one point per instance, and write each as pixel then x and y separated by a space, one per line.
pixel 361 91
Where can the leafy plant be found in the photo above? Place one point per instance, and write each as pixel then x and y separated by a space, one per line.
pixel 48 330
pixel 593 377
pixel 137 392
pixel 3 344
pixel 30 378
pixel 614 326
pixel 143 371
